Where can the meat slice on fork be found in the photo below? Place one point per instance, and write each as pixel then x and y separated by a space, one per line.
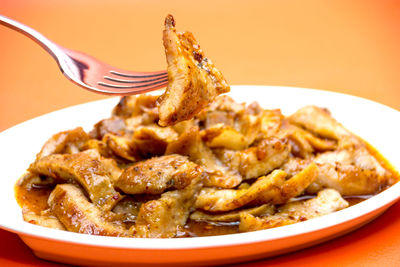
pixel 193 80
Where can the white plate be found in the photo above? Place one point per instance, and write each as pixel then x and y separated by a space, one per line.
pixel 377 124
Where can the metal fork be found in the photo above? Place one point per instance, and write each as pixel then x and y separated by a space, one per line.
pixel 90 73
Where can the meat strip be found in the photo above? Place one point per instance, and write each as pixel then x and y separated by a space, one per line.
pixel 77 214
pixel 193 80
pixel 158 174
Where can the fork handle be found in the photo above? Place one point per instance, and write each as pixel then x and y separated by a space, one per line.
pixel 45 43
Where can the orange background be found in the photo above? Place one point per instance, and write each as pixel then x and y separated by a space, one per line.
pixel 344 46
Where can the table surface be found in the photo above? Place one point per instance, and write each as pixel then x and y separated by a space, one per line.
pixel 343 46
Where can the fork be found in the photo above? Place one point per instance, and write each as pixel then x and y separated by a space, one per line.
pixel 90 73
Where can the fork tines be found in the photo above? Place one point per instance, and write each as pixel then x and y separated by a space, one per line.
pixel 144 80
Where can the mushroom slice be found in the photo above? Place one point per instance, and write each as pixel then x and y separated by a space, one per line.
pixel 193 80
pixel 77 214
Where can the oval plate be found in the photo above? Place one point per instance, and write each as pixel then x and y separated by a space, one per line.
pixel 363 117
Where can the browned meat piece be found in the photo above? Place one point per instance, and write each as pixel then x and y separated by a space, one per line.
pixel 223 103
pixel 217 117
pixel 191 145
pixel 258 160
pixel 64 142
pixel 295 165
pixel 232 216
pixel 121 146
pixel 327 201
pixel 271 122
pixel 86 168
pixel 166 216
pixel 222 110
pixel 254 108
pixel 193 80
pixel 240 135
pixel 267 189
pixel 152 140
pixel 156 175
pixel 305 144
pixel 350 169
pixel 292 187
pixel 221 136
pixel 132 106
pixel 184 126
pixel 250 127
pixel 114 125
pixel 44 220
pixel 351 172
pixel 212 199
pixel 100 146
pixel 320 122
pixel 78 215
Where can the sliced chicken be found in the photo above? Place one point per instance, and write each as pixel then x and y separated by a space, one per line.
pixel 272 188
pixel 258 160
pixel 85 168
pixel 132 106
pixel 221 136
pixel 100 146
pixel 64 142
pixel 69 204
pixel 351 172
pixel 213 199
pixel 320 122
pixel 222 110
pixel 190 144
pixel 292 187
pixel 121 146
pixel 327 201
pixel 304 144
pixel 152 140
pixel 45 220
pixel 158 174
pixel 114 125
pixel 193 80
pixel 271 121
pixel 166 216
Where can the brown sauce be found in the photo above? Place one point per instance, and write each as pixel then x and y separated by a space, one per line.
pixel 195 229
pixel 31 197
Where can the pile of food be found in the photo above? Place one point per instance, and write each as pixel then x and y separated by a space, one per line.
pixel 193 162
